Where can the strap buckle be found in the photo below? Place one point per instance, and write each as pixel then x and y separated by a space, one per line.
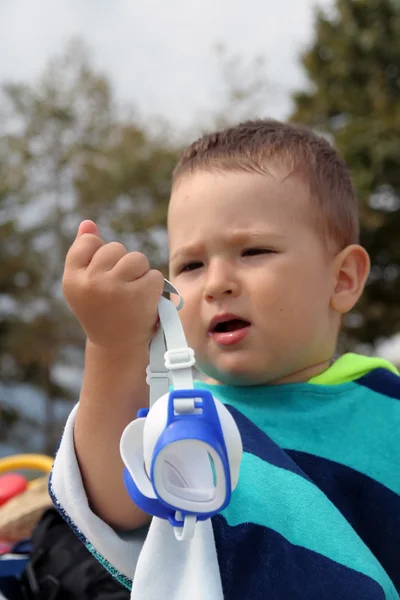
pixel 179 358
pixel 156 375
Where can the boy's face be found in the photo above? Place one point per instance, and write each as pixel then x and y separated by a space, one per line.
pixel 254 275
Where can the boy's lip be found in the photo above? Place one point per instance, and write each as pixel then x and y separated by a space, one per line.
pixel 229 336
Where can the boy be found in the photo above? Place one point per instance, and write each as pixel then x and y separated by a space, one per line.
pixel 263 236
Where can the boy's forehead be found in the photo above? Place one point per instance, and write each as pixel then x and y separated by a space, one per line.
pixel 240 193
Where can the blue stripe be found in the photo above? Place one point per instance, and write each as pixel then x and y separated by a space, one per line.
pixel 296 509
pixel 383 381
pixel 256 442
pixel 258 563
pixel 370 508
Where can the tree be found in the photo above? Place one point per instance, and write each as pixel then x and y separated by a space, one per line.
pixel 243 88
pixel 19 277
pixel 353 67
pixel 67 153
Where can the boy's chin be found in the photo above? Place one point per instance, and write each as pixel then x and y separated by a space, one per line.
pixel 217 376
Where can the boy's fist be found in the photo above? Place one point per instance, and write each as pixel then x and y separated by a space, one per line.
pixel 112 292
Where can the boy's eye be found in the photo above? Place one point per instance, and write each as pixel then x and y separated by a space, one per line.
pixel 255 251
pixel 191 266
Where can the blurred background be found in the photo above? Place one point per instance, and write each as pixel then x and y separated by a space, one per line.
pixel 98 98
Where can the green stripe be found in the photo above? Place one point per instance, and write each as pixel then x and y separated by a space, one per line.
pixel 125 581
pixel 302 514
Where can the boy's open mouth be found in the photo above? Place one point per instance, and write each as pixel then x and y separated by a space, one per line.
pixel 228 329
pixel 229 326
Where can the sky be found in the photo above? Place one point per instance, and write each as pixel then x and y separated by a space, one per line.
pixel 160 56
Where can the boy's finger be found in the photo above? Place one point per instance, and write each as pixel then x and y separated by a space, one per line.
pixel 82 251
pixel 88 227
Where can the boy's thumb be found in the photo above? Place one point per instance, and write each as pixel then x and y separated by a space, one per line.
pixel 88 227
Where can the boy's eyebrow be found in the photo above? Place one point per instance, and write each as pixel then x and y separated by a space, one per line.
pixel 185 251
pixel 237 237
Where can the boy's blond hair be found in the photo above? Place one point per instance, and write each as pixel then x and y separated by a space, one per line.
pixel 256 146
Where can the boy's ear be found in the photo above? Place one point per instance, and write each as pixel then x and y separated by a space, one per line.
pixel 351 269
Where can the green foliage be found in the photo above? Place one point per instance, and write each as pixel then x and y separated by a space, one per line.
pixel 66 154
pixel 353 69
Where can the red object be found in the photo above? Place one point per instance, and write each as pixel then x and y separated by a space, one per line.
pixel 11 485
pixel 5 546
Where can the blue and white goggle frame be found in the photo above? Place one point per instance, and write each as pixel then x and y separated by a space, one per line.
pixel 182 455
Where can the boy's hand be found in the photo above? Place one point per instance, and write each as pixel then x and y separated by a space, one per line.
pixel 111 291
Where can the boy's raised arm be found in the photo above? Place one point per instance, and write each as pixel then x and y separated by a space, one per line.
pixel 114 295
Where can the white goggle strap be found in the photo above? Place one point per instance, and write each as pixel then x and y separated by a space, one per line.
pixel 170 358
pixel 158 377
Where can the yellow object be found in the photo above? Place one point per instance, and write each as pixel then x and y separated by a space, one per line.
pixel 32 462
pixel 20 515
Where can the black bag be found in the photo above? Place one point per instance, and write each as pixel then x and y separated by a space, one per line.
pixel 61 568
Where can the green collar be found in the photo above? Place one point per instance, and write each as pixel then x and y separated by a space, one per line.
pixel 345 369
pixel 350 367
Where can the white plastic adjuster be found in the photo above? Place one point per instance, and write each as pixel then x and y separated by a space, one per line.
pixel 185 406
pixel 179 358
pixel 156 375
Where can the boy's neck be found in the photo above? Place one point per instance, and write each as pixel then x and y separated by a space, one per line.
pixel 301 376
pixel 305 375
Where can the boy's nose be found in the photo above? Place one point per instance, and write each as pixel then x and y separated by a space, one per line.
pixel 221 281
